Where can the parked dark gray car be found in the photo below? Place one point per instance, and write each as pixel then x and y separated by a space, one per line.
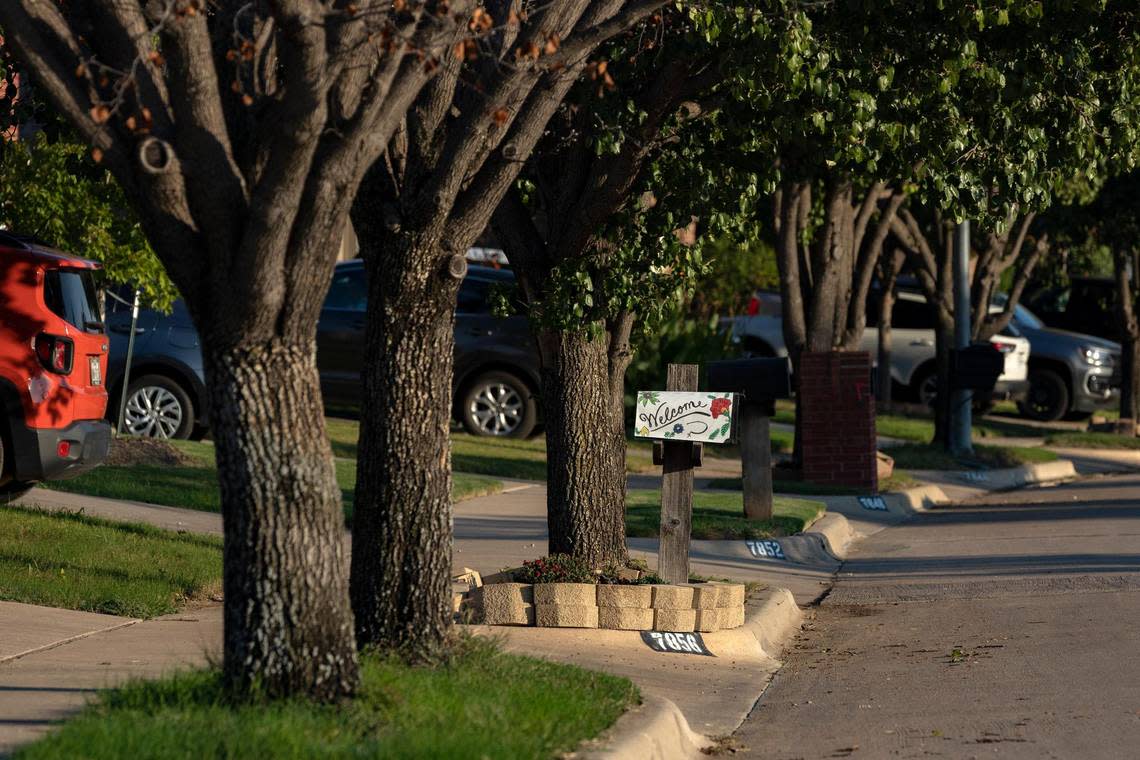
pixel 1070 374
pixel 496 361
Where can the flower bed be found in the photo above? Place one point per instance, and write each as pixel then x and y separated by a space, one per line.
pixel 627 601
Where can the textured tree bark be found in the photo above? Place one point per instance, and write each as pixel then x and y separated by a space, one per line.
pixel 582 389
pixel 402 531
pixel 943 343
pixel 892 264
pixel 1129 337
pixel 885 347
pixel 288 627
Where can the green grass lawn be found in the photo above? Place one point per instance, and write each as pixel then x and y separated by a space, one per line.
pixel 913 456
pixel 194 485
pixel 83 563
pixel 920 428
pixel 1086 440
pixel 479 704
pixel 897 482
pixel 720 515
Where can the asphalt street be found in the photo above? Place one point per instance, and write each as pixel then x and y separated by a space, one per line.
pixel 1004 628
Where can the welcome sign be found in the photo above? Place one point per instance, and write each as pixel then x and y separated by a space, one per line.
pixel 685 416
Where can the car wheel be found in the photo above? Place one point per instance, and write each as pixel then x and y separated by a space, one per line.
pixel 498 404
pixel 925 387
pixel 1048 397
pixel 158 407
pixel 10 489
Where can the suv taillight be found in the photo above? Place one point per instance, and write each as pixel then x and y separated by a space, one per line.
pixel 55 352
pixel 754 306
pixel 1005 348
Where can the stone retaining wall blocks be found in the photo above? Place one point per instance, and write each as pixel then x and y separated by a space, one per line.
pixel 677 621
pixel 706 596
pixel 733 617
pixel 613 595
pixel 571 594
pixel 566 615
pixel 673 598
pixel 506 604
pixel 708 620
pixel 518 592
pixel 625 618
pixel 731 595
pixel 522 614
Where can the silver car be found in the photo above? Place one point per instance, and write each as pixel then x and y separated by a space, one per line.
pixel 913 368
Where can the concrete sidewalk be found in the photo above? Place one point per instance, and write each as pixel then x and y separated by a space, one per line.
pixel 52 661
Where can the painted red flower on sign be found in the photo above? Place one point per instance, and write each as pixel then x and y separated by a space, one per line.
pixel 720 406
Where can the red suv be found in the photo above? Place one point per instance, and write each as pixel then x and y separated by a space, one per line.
pixel 53 358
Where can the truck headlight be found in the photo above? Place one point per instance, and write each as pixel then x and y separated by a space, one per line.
pixel 1098 357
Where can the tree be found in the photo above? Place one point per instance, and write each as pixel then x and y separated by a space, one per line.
pixel 445 170
pixel 239 132
pixel 981 113
pixel 590 230
pixel 1114 221
pixel 888 270
pixel 930 248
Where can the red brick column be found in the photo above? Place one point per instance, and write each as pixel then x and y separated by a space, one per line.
pixel 837 404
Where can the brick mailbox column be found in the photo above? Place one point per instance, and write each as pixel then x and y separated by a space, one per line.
pixel 838 407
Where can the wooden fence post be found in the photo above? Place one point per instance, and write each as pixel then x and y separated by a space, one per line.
pixel 756 460
pixel 677 491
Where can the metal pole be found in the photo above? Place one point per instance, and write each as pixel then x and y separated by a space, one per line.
pixel 961 401
pixel 127 366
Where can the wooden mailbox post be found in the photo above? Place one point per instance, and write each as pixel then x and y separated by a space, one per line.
pixel 760 382
pixel 681 420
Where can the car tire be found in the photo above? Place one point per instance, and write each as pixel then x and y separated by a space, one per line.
pixel 924 385
pixel 1048 397
pixel 10 489
pixel 158 407
pixel 498 404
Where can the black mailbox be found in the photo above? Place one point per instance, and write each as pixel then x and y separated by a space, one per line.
pixel 758 379
pixel 976 367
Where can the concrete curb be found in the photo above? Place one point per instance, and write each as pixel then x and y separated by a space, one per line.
pixel 657 730
pixel 654 730
pixel 1048 472
pixel 836 532
pixel 774 621
pixel 917 499
pixel 925 497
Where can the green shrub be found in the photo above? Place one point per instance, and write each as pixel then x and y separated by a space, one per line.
pixel 556 568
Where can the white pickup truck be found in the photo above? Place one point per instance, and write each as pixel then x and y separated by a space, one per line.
pixel 761 333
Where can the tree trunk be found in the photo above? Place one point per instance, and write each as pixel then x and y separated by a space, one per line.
pixel 582 404
pixel 892 264
pixel 943 343
pixel 886 310
pixel 288 625
pixel 1129 337
pixel 402 530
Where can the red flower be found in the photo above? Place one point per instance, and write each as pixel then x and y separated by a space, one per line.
pixel 720 406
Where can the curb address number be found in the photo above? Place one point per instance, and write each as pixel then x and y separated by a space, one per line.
pixel 680 643
pixel 766 548
pixel 873 502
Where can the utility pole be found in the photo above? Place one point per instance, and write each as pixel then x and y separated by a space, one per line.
pixel 961 400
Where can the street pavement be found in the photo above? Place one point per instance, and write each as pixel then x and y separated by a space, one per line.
pixel 1005 627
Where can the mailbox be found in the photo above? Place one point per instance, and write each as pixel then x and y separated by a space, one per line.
pixel 976 367
pixel 764 379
